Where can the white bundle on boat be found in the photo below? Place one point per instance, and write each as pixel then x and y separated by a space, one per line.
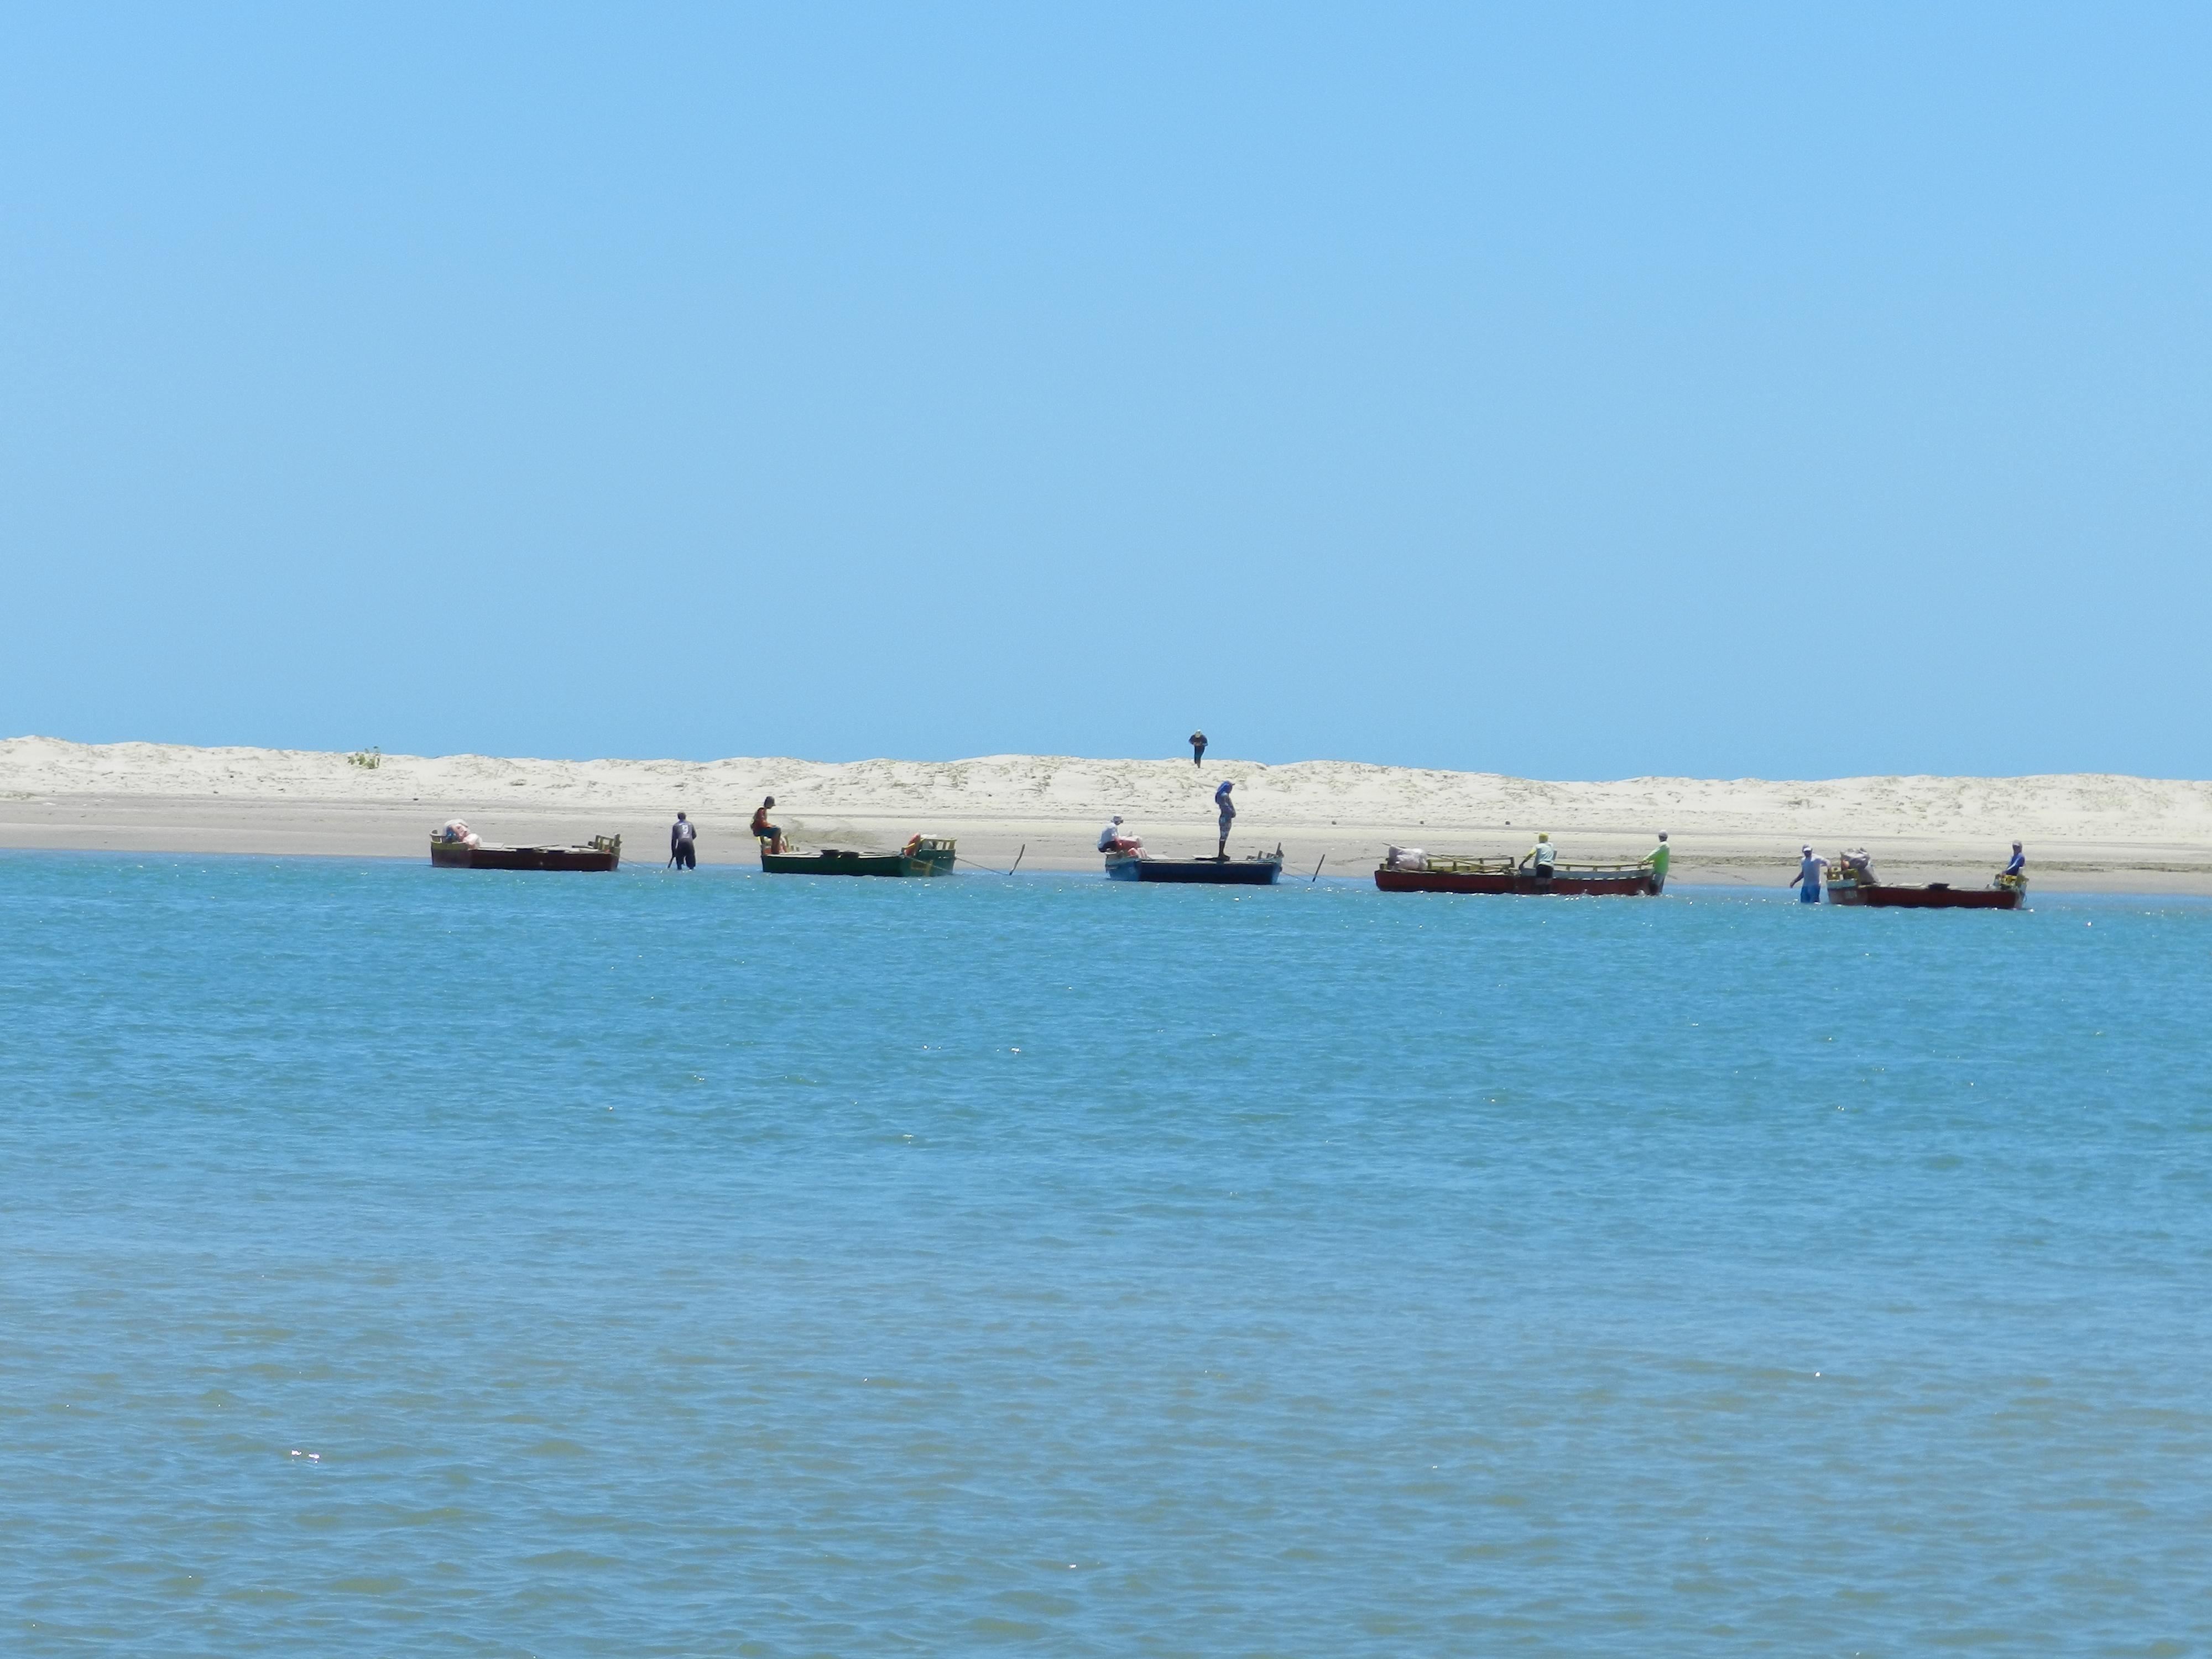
pixel 459 834
pixel 1406 857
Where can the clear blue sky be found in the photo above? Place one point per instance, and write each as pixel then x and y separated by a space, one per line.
pixel 1570 390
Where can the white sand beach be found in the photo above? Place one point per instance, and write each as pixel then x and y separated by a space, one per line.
pixel 2084 832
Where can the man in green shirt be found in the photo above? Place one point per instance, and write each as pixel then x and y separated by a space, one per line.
pixel 1657 858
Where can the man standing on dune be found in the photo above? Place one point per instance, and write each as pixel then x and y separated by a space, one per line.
pixel 1197 747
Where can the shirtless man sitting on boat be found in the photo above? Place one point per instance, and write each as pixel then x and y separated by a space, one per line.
pixel 768 835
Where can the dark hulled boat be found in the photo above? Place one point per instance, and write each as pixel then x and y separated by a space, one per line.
pixel 602 852
pixel 925 855
pixel 2002 894
pixel 1260 870
pixel 1442 873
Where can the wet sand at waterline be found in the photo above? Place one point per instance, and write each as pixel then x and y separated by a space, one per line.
pixel 2085 832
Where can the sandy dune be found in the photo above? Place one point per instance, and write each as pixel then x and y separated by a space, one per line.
pixel 2084 831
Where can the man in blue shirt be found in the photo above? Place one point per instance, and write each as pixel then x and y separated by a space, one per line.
pixel 1227 808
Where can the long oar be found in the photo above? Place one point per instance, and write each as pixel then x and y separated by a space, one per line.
pixel 1315 877
pixel 1017 858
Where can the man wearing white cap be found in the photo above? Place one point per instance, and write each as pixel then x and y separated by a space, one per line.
pixel 1111 840
pixel 1809 878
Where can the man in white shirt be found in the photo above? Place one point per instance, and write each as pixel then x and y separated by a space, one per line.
pixel 1810 874
pixel 1542 855
pixel 1111 840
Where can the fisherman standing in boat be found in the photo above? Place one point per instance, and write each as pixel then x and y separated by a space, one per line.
pixel 1197 747
pixel 682 844
pixel 2018 867
pixel 1227 808
pixel 1807 881
pixel 768 835
pixel 1543 852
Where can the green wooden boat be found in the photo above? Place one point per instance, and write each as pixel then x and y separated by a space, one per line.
pixel 925 855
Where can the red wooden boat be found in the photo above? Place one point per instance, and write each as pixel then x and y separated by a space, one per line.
pixel 2003 894
pixel 466 851
pixel 1434 872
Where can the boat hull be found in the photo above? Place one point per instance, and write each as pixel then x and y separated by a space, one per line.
pixel 1882 897
pixel 832 862
pixel 1565 886
pixel 1211 873
pixel 448 856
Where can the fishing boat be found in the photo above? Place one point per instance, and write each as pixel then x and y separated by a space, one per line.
pixel 2004 893
pixel 457 847
pixel 1436 872
pixel 1260 870
pixel 925 855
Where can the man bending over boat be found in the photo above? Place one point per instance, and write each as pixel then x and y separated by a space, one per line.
pixel 1543 852
pixel 1658 859
pixel 1227 808
pixel 770 837
pixel 1111 840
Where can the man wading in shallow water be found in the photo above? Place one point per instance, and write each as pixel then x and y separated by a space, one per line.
pixel 682 844
pixel 1807 881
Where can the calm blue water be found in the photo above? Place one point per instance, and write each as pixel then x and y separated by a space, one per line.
pixel 400 1261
